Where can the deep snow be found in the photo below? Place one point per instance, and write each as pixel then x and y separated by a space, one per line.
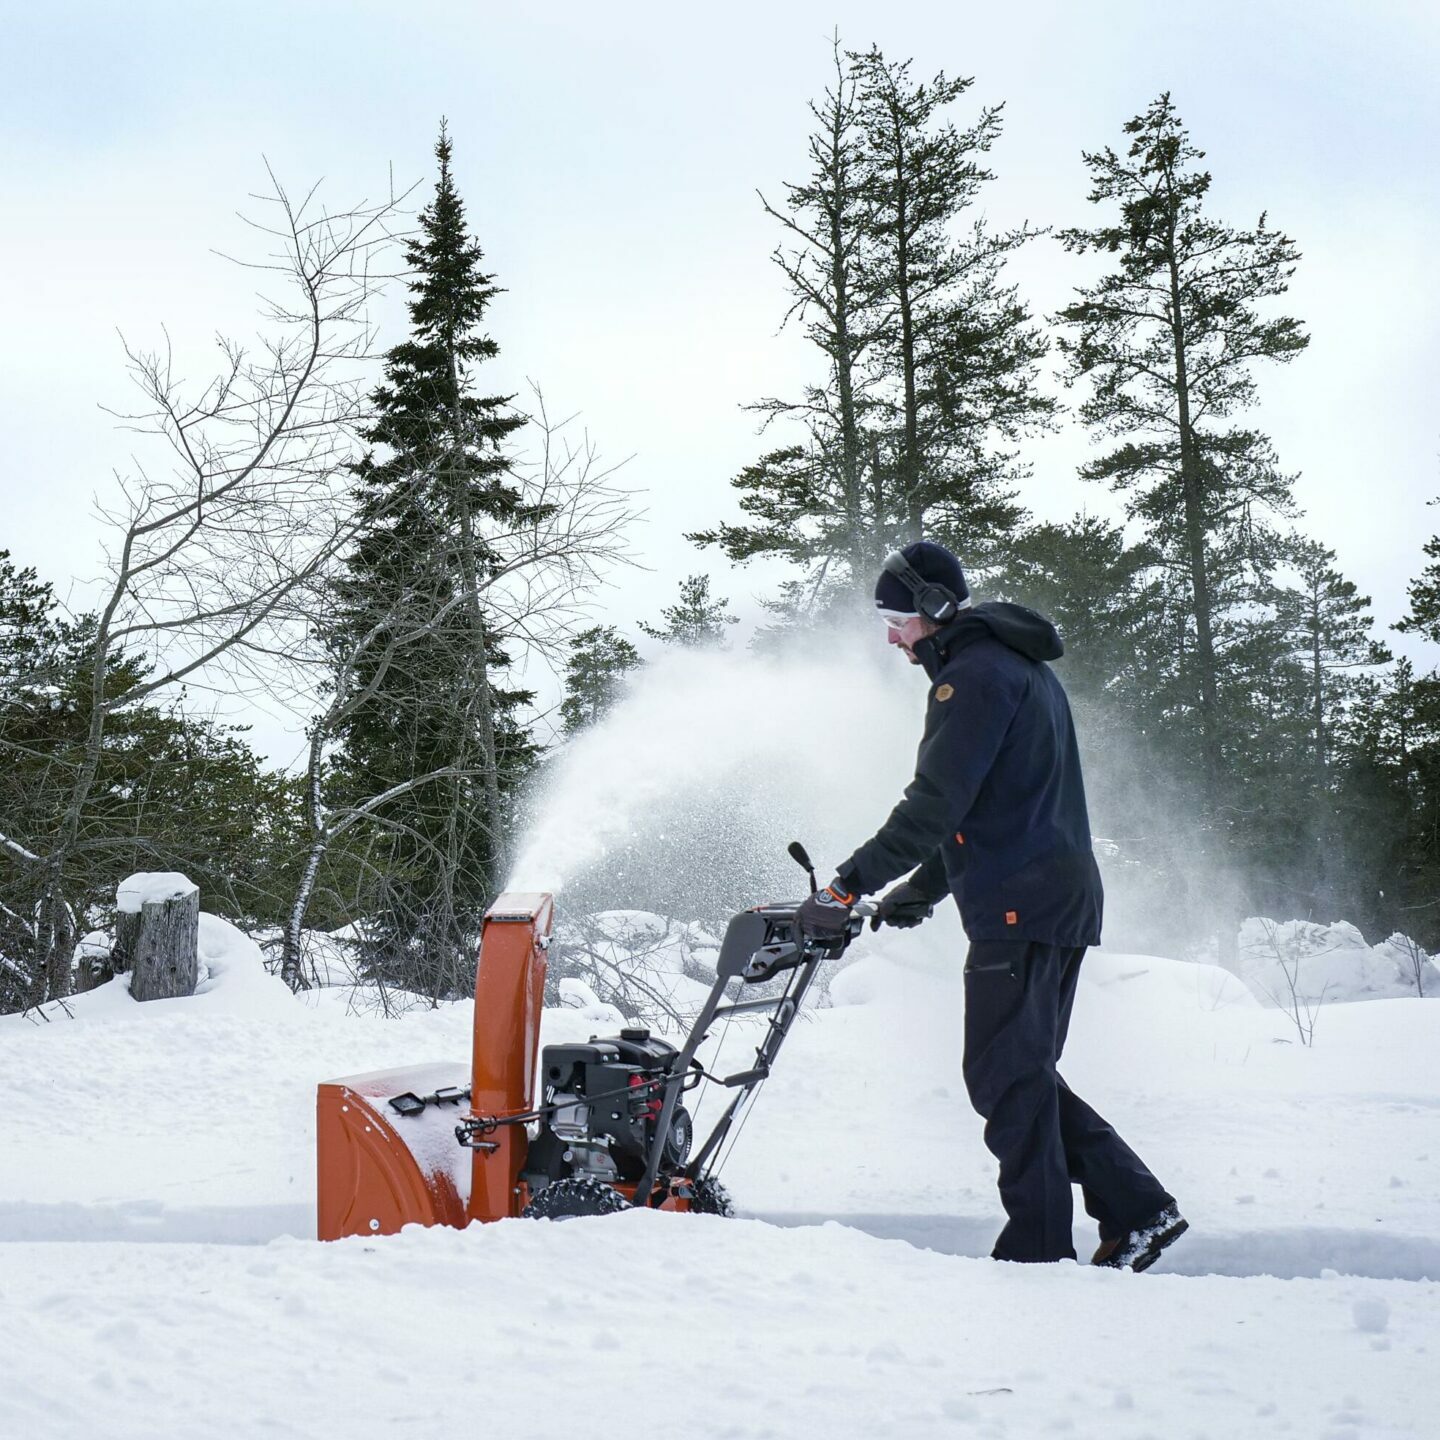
pixel 851 1298
pixel 157 1188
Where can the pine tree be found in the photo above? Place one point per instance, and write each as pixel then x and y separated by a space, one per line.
pixel 1168 341
pixel 1101 596
pixel 929 360
pixel 1387 765
pixel 1329 624
pixel 26 631
pixel 1424 616
pixel 170 792
pixel 1112 607
pixel 438 474
pixel 695 620
pixel 811 502
pixel 595 671
pixel 957 352
pixel 46 670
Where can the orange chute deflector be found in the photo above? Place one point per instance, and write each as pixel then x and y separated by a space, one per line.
pixel 509 995
pixel 378 1170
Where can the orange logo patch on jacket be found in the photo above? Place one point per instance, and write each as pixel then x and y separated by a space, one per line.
pixel 944 692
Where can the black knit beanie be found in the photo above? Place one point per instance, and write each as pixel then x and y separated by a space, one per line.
pixel 933 563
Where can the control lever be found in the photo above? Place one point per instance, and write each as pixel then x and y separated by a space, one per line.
pixel 800 857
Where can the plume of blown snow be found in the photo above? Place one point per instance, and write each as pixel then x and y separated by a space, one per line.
pixel 682 799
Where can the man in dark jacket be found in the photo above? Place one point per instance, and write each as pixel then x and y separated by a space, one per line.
pixel 996 814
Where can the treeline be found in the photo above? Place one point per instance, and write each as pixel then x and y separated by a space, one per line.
pixel 1253 746
pixel 386 555
pixel 378 557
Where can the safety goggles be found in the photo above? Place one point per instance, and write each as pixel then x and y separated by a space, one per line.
pixel 893 620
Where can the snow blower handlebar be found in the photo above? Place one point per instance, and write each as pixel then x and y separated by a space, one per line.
pixel 759 944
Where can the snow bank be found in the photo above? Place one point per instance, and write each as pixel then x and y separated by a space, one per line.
pixel 233 975
pixel 232 980
pixel 1298 960
pixel 730 1329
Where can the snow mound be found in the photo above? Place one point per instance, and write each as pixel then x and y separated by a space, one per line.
pixel 233 974
pixel 577 995
pixel 232 980
pixel 151 887
pixel 635 963
pixel 1282 962
pixel 97 945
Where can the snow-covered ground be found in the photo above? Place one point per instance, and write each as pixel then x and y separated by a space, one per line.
pixel 852 1297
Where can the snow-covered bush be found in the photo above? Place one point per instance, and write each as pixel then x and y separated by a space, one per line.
pixel 650 968
pixel 1300 965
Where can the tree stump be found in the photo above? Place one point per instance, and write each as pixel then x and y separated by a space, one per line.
pixel 157 935
pixel 95 963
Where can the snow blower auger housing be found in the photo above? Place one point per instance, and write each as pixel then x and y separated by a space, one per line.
pixel 611 1129
pixel 385 1141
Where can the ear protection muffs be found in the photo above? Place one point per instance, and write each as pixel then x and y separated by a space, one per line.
pixel 935 602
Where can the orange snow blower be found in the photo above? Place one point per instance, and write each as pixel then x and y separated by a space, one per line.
pixel 429 1145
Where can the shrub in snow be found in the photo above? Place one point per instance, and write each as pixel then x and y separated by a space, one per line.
pixel 1300 965
pixel 92 965
pixel 577 995
pixel 1413 966
pixel 645 967
pixel 1299 960
pixel 334 976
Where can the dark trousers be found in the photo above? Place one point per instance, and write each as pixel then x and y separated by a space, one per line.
pixel 1018 997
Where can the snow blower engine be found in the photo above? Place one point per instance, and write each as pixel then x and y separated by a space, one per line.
pixel 611 1129
pixel 601 1119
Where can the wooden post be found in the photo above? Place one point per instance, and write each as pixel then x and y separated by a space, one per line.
pixel 157 936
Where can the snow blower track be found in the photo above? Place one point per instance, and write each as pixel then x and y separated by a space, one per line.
pixel 766 1332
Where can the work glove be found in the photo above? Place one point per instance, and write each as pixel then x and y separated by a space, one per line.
pixel 902 906
pixel 825 915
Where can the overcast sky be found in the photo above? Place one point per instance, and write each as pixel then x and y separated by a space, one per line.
pixel 609 157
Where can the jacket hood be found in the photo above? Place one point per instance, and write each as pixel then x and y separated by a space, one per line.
pixel 1023 630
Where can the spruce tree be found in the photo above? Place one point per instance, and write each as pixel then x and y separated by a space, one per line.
pixel 1168 341
pixel 436 477
pixel 1388 795
pixel 1326 638
pixel 1099 592
pixel 696 620
pixel 1112 609
pixel 595 671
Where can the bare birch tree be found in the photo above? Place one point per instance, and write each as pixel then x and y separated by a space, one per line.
pixel 243 510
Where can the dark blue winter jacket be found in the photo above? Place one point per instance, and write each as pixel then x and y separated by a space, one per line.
pixel 997 806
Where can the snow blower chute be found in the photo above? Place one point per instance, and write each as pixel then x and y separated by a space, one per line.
pixel 431 1145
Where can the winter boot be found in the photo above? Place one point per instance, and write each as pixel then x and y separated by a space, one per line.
pixel 1140 1248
